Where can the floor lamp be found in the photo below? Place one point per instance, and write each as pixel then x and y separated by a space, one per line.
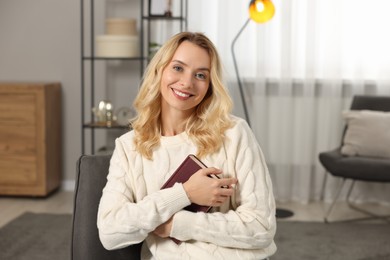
pixel 260 11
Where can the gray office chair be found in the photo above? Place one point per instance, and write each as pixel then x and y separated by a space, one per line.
pixel 358 168
pixel 91 176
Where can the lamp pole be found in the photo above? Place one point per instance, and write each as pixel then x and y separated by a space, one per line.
pixel 238 74
pixel 280 213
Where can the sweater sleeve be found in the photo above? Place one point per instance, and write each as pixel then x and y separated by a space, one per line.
pixel 122 220
pixel 251 223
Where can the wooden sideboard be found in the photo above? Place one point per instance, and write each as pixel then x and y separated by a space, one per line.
pixel 30 138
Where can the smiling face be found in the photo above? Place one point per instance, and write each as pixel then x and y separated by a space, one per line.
pixel 185 80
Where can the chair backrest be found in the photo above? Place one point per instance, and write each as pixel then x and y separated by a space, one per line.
pixel 378 103
pixel 91 178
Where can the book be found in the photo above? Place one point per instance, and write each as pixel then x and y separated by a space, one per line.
pixel 187 168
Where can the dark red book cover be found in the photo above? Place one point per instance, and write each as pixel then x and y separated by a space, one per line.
pixel 189 166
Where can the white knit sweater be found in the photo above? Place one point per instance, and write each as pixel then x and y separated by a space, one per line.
pixel 133 205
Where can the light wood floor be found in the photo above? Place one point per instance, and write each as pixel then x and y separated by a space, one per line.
pixel 62 202
pixel 12 207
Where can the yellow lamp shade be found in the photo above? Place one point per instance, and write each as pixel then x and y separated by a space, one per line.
pixel 261 11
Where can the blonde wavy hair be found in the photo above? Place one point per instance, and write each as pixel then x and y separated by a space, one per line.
pixel 206 126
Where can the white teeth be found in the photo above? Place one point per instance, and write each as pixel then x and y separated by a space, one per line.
pixel 181 93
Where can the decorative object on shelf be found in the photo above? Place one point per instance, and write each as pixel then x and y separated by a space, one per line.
pixel 116 46
pixel 160 8
pixel 123 115
pixel 260 11
pixel 121 26
pixel 120 41
pixel 153 48
pixel 104 112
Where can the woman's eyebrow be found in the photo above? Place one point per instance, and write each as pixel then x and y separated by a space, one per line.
pixel 184 64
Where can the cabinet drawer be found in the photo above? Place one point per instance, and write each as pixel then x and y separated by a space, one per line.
pixel 18 170
pixel 18 140
pixel 17 109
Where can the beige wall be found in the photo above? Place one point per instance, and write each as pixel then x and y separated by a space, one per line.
pixel 40 41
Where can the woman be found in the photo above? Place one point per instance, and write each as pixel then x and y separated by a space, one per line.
pixel 183 108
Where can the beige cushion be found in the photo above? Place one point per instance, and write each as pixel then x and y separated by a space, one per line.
pixel 368 133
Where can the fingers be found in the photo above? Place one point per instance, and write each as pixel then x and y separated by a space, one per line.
pixel 214 191
pixel 223 191
pixel 226 192
pixel 211 170
pixel 218 201
pixel 227 182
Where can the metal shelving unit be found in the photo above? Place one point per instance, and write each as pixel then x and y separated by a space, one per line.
pixel 88 123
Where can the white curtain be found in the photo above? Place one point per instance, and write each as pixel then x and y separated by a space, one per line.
pixel 300 70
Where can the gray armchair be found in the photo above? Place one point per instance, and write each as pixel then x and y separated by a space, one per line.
pixel 358 168
pixel 91 176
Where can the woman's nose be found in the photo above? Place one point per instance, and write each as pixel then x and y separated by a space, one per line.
pixel 186 80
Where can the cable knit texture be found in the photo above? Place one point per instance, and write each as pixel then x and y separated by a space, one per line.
pixel 133 205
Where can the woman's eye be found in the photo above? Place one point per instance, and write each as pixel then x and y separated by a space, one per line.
pixel 177 68
pixel 200 76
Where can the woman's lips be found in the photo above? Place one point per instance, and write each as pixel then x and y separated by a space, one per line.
pixel 180 94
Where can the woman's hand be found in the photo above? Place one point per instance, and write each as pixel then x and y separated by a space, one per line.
pixel 202 190
pixel 206 191
pixel 164 230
